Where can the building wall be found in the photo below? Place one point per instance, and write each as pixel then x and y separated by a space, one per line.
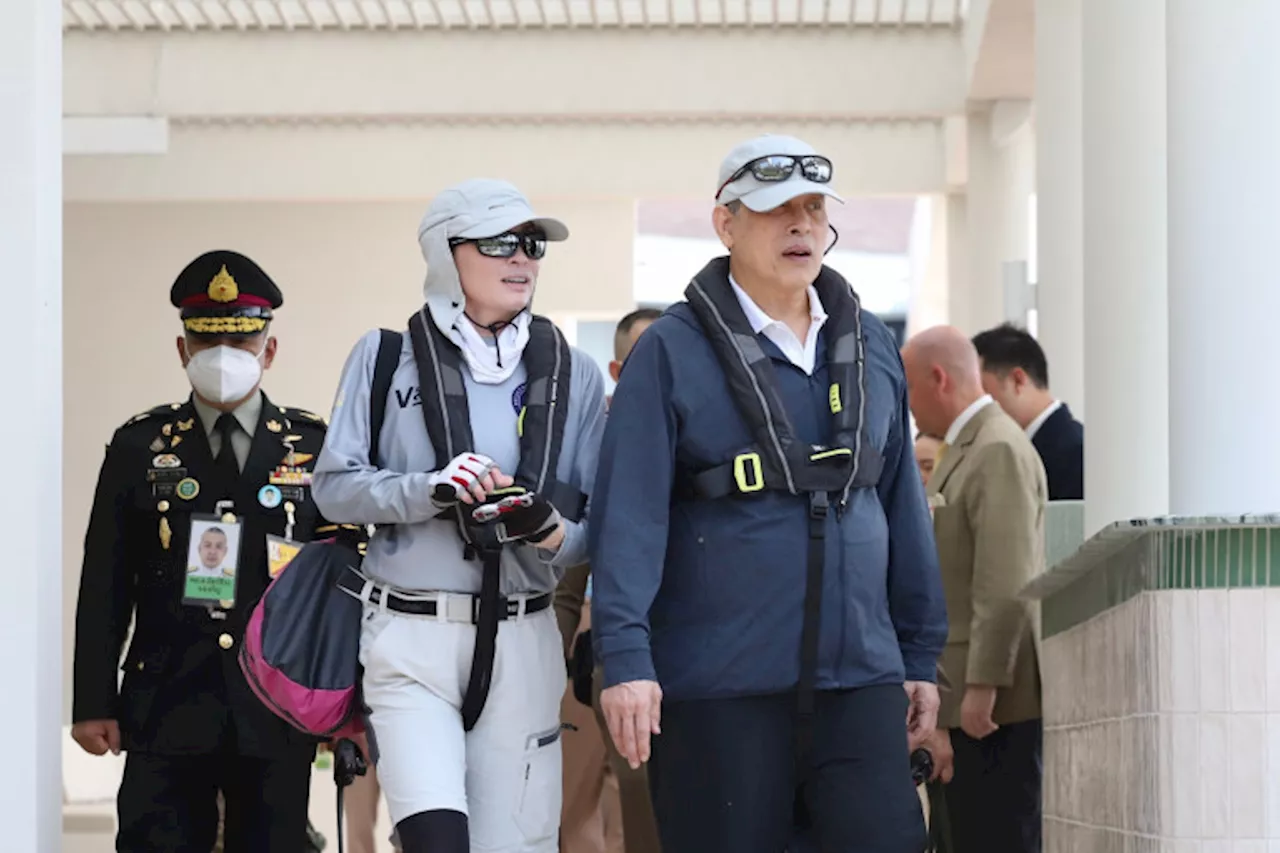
pixel 344 268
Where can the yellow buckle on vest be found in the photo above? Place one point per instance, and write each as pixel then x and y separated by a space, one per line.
pixel 833 397
pixel 824 455
pixel 741 462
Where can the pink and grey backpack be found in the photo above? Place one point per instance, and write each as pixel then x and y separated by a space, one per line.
pixel 301 648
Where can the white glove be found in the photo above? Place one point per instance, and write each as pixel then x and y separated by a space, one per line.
pixel 463 474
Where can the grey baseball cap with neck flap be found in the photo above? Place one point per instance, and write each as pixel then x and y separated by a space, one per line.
pixel 471 210
pixel 763 196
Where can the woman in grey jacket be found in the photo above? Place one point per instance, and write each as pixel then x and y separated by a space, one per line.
pixel 513 399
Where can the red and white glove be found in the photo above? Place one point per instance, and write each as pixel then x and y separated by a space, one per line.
pixel 466 474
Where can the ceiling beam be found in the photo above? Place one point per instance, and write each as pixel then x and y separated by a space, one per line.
pixel 114 136
pixel 215 162
pixel 306 74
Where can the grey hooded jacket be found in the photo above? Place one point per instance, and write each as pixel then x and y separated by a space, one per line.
pixel 419 551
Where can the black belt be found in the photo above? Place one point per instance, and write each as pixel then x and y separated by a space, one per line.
pixel 508 608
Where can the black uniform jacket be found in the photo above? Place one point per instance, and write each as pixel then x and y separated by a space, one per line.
pixel 183 691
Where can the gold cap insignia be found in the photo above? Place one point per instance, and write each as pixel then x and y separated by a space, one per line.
pixel 223 288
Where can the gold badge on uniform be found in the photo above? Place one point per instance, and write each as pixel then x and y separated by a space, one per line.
pixel 274 426
pixel 166 460
pixel 157 445
pixel 183 426
pixel 177 439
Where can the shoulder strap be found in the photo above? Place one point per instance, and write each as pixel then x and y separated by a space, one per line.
pixel 846 371
pixel 549 364
pixel 383 371
pixel 746 367
pixel 545 409
pixel 444 394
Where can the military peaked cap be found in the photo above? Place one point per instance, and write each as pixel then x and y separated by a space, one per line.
pixel 224 293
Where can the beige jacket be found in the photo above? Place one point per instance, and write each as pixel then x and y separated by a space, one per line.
pixel 988 498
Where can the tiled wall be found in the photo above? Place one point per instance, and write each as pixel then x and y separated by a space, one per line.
pixel 1162 699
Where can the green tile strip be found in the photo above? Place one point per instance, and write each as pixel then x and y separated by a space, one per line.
pixel 1161 554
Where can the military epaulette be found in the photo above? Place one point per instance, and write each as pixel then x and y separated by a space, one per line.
pixel 163 409
pixel 303 416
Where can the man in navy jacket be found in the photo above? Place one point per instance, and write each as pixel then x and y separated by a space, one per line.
pixel 1016 373
pixel 768 605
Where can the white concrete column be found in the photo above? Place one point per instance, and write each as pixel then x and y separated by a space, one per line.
pixel 930 261
pixel 1001 179
pixel 1126 359
pixel 1224 297
pixel 1059 198
pixel 958 266
pixel 31 431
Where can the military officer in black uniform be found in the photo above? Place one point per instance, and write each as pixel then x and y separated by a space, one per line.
pixel 187 497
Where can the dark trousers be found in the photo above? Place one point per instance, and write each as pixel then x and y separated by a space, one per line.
pixel 169 803
pixel 994 799
pixel 724 776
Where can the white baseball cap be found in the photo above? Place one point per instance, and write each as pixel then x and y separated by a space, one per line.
pixel 484 207
pixel 762 196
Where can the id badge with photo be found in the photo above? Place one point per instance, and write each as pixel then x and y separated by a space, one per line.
pixel 280 551
pixel 213 561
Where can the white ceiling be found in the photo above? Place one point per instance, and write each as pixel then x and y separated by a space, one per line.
pixel 504 14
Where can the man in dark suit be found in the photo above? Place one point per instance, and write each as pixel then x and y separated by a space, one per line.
pixel 1016 373
pixel 225 457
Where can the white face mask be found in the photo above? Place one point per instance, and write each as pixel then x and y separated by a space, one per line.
pixel 224 374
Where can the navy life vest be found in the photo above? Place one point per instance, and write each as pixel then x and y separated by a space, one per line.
pixel 778 460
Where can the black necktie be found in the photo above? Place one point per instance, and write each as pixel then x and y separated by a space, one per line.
pixel 228 467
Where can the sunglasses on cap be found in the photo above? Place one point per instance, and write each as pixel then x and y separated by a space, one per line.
pixel 505 245
pixel 779 167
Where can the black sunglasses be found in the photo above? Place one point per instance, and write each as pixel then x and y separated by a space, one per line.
pixel 779 167
pixel 505 245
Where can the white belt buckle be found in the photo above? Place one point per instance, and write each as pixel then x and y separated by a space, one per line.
pixel 522 607
pixel 457 608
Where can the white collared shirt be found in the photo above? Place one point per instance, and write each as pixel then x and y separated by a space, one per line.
pixel 964 417
pixel 802 355
pixel 1034 426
